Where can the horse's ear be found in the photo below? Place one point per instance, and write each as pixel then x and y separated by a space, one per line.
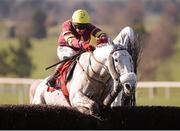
pixel 110 41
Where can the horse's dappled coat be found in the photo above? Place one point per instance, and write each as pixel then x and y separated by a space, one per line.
pixel 92 80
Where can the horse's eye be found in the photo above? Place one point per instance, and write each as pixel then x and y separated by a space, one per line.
pixel 116 60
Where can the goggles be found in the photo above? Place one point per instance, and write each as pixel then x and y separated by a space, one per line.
pixel 81 26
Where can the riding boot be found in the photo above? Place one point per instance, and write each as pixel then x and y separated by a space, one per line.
pixel 51 81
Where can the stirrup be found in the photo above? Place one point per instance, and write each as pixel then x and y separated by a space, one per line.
pixel 50 84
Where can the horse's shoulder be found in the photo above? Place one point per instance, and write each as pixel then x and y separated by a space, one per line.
pixel 84 56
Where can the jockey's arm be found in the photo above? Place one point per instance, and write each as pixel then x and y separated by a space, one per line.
pixel 100 36
pixel 102 39
pixel 68 36
pixel 72 40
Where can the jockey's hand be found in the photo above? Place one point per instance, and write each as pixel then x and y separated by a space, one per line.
pixel 88 47
pixel 102 39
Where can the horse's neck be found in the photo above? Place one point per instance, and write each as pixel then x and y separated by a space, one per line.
pixel 95 64
pixel 101 53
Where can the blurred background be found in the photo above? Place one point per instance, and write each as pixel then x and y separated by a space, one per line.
pixel 29 30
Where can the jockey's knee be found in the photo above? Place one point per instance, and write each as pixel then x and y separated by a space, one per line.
pixel 64 52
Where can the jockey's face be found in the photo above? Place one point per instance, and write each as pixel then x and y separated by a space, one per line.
pixel 80 31
pixel 80 28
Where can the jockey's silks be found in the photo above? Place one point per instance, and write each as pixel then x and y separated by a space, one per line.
pixel 70 37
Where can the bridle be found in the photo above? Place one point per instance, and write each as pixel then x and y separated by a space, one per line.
pixel 114 74
pixel 89 77
pixel 102 64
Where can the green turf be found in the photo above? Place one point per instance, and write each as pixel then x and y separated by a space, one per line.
pixel 44 55
pixel 14 95
pixel 9 95
pixel 160 98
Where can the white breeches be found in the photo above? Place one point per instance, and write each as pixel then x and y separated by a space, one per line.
pixel 126 35
pixel 64 52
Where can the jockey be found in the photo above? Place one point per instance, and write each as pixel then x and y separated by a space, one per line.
pixel 76 35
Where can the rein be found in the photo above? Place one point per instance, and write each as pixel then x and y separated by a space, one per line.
pixel 96 59
pixel 104 66
pixel 117 84
pixel 120 48
pixel 90 78
pixel 67 59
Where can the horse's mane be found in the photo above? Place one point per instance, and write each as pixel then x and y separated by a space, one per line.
pixel 135 50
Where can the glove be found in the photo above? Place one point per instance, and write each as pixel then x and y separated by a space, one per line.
pixel 88 47
pixel 102 39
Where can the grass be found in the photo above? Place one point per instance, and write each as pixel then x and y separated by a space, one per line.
pixel 9 98
pixel 43 54
pixel 18 95
pixel 159 97
pixel 14 95
pixel 6 43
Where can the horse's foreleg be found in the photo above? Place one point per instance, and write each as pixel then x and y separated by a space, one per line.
pixel 84 104
pixel 126 35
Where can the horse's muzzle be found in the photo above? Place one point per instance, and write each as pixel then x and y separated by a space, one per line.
pixel 129 89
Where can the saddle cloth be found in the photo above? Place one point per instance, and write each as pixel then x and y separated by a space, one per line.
pixel 65 71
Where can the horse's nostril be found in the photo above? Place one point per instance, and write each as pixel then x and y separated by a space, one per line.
pixel 128 87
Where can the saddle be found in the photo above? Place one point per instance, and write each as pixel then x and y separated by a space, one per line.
pixel 66 72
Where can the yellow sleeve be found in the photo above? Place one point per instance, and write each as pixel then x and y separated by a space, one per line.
pixel 93 41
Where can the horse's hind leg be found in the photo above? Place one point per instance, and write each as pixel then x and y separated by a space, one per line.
pixel 56 98
pixel 36 91
pixel 32 90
